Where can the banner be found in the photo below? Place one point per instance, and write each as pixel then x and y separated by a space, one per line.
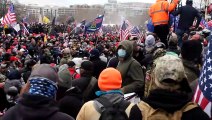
pixel 95 25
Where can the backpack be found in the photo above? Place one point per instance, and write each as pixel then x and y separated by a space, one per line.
pixel 110 111
pixel 149 113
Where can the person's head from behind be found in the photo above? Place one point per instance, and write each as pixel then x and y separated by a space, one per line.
pixel 172 40
pixel 71 64
pixel 86 69
pixel 169 74
pixel 149 43
pixel 192 51
pixel 66 52
pixel 94 54
pixel 42 81
pixel 189 2
pixel 110 79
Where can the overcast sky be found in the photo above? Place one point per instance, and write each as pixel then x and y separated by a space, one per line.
pixel 69 2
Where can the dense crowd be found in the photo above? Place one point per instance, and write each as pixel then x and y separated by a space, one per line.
pixel 89 77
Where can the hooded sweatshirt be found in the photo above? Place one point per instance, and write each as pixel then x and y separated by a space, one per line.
pixel 131 71
pixel 35 107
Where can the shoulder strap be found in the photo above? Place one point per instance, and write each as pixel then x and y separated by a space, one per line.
pixel 123 104
pixel 130 65
pixel 90 86
pixel 102 104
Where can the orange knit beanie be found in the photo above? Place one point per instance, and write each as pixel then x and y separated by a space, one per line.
pixel 110 79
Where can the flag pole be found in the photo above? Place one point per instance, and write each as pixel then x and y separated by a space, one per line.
pixel 96 40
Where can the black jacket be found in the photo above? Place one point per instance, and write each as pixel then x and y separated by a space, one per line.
pixel 187 16
pixel 34 107
pixel 170 102
pixel 98 66
pixel 82 83
pixel 72 102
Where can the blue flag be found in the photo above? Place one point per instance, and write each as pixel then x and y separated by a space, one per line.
pixel 94 25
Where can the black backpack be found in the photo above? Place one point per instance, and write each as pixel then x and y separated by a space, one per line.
pixel 110 111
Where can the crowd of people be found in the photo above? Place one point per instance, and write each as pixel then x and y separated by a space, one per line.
pixel 86 77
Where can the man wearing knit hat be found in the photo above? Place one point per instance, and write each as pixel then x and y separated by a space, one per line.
pixel 38 101
pixel 170 98
pixel 110 83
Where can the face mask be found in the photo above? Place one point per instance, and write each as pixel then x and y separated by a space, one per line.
pixel 122 53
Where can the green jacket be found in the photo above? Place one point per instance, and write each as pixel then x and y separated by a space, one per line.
pixel 131 71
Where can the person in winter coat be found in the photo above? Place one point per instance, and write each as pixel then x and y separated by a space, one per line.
pixel 170 99
pixel 72 102
pixel 65 81
pixel 187 16
pixel 13 79
pixel 159 12
pixel 86 71
pixel 66 56
pixel 72 70
pixel 173 44
pixel 131 71
pixel 191 53
pixel 148 51
pixel 109 82
pixel 28 69
pixel 99 65
pixel 38 101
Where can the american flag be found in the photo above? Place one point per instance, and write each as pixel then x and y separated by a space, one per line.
pixel 10 17
pixel 125 30
pixel 203 95
pixel 204 23
pixel 210 25
pixel 25 30
pixel 135 32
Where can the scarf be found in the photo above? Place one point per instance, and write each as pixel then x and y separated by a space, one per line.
pixel 42 86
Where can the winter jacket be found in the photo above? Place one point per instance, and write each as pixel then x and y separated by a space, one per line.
pixel 170 102
pixel 187 16
pixel 131 71
pixel 98 66
pixel 82 84
pixel 35 107
pixel 89 112
pixel 159 12
pixel 72 102
pixel 9 83
pixel 191 70
pixel 113 62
